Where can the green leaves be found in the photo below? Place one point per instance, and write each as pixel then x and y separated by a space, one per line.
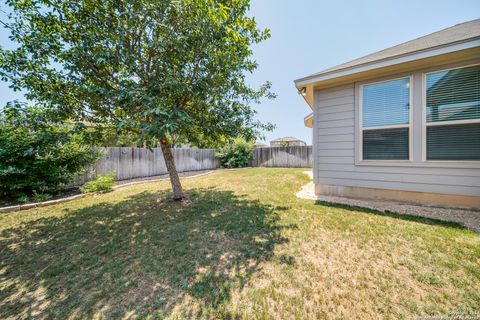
pixel 154 68
pixel 38 155
pixel 100 184
pixel 236 153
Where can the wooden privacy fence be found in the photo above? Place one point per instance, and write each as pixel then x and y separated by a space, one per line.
pixel 287 157
pixel 129 163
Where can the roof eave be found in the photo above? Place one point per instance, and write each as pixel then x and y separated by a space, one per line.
pixel 316 79
pixel 307 95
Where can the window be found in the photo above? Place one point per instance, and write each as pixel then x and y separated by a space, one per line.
pixel 453 114
pixel 385 120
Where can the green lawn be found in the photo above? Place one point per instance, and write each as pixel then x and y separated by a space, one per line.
pixel 243 246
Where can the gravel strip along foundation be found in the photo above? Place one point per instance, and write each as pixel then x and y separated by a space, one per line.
pixel 467 218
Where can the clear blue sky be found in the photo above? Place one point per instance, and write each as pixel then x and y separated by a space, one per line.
pixel 312 35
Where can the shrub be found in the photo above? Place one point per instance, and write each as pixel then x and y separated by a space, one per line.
pixel 236 154
pixel 283 143
pixel 41 197
pixel 39 155
pixel 23 199
pixel 101 184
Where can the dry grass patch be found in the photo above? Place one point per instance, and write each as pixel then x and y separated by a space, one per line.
pixel 242 247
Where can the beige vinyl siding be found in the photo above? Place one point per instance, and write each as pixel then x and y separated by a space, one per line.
pixel 335 109
pixel 334 162
pixel 390 169
pixel 335 131
pixel 336 124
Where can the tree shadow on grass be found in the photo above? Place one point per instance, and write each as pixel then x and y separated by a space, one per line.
pixel 395 215
pixel 144 255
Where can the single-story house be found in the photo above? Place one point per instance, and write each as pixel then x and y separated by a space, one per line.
pixel 260 145
pixel 287 141
pixel 402 123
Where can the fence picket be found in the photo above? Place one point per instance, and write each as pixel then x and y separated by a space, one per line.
pixel 129 163
pixel 288 157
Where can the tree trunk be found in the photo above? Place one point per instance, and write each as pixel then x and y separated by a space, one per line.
pixel 172 170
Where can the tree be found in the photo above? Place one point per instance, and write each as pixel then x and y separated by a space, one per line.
pixel 168 70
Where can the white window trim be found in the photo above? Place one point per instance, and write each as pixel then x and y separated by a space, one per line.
pixel 426 124
pixel 395 126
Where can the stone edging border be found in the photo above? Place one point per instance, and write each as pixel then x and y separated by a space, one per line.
pixel 41 204
pixel 157 180
pixel 78 196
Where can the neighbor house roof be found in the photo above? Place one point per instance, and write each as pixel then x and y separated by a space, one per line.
pixel 286 139
pixel 260 144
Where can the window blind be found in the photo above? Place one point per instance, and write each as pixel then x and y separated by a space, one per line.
pixel 386 103
pixel 453 142
pixel 453 96
pixel 386 144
